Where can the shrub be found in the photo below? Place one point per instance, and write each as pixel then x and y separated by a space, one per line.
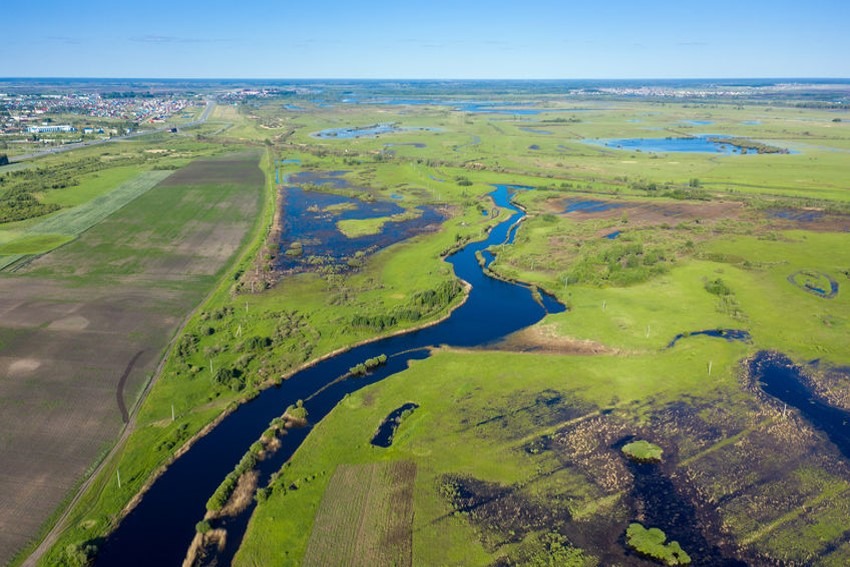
pixel 203 527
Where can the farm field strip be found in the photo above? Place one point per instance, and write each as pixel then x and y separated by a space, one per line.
pixel 365 517
pixel 73 222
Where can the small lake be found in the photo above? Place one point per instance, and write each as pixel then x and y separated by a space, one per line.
pixel 368 131
pixel 727 334
pixel 697 144
pixel 386 431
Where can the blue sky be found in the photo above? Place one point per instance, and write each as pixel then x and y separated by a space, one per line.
pixel 432 39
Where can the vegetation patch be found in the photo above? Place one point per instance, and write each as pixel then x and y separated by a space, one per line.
pixel 364 367
pixel 643 452
pixel 652 543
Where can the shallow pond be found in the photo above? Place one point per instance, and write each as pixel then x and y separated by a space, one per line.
pixel 728 334
pixel 309 232
pixel 696 144
pixel 535 131
pixel 663 508
pixel 161 527
pixel 368 131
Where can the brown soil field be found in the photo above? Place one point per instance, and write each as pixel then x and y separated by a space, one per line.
pixel 82 330
pixel 240 169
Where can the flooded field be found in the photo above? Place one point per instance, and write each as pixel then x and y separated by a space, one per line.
pixel 310 229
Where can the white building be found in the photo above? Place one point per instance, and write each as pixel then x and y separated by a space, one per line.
pixel 50 129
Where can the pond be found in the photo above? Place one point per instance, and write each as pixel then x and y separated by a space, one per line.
pixel 728 334
pixel 368 131
pixel 535 131
pixel 704 143
pixel 168 512
pixel 386 431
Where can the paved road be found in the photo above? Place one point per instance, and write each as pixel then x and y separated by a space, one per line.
pixel 68 147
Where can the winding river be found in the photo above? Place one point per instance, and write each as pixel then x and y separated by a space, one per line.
pixel 160 528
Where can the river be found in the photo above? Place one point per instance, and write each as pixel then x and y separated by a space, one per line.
pixel 160 528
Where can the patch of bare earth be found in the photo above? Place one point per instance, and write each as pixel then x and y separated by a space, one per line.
pixel 547 339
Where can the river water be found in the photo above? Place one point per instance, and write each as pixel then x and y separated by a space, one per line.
pixel 160 529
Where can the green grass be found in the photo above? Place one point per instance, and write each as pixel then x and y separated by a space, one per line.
pixel 455 391
pixel 643 451
pixel 91 186
pixel 65 225
pixel 34 244
pixel 652 542
pixel 353 228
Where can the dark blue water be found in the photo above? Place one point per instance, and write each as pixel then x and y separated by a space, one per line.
pixel 160 529
pixel 779 377
pixel 728 334
pixel 613 235
pixel 796 215
pixel 384 436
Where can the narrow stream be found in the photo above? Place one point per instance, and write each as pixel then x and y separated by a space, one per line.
pixel 160 529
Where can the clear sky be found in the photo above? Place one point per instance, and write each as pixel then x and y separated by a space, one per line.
pixel 464 39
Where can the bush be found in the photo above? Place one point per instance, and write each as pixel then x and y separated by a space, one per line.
pixel 203 527
pixel 717 287
pixel 297 411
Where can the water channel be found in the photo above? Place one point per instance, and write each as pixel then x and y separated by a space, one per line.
pixel 160 528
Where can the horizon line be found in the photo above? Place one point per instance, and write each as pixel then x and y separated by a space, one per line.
pixel 141 78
